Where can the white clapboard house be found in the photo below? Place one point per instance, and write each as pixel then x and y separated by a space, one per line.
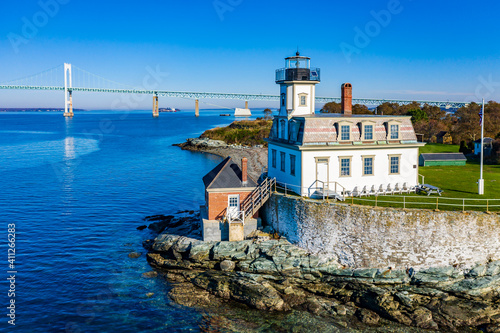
pixel 317 154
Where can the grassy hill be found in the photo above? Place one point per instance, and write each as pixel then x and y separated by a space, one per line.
pixel 242 132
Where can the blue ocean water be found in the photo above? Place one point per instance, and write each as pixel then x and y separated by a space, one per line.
pixel 76 190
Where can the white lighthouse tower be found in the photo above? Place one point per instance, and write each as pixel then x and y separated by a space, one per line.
pixel 297 86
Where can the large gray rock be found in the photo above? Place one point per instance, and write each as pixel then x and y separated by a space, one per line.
pixel 227 266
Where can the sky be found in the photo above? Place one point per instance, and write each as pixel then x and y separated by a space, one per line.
pixel 389 49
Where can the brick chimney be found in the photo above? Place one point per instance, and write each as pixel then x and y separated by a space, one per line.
pixel 244 176
pixel 346 99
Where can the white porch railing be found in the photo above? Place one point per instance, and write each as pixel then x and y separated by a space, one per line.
pixel 236 217
pixel 327 189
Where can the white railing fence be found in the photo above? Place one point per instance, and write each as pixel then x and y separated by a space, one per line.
pixel 395 201
pixel 236 217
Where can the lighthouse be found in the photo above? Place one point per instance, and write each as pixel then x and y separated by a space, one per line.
pixel 297 86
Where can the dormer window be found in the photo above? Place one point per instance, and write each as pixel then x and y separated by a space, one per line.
pixel 368 132
pixel 343 128
pixel 394 130
pixel 345 132
pixel 282 129
pixel 294 130
pixel 367 128
pixel 393 127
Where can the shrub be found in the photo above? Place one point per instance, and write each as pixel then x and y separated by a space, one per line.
pixel 243 132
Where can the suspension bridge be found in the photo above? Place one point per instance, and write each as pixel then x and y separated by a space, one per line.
pixel 69 79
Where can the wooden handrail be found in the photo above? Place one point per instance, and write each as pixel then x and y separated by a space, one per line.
pixel 258 197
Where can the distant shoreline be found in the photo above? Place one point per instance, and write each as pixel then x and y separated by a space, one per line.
pixel 37 110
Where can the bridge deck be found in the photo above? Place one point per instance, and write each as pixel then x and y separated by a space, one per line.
pixel 246 97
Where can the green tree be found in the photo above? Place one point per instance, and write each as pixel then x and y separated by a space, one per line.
pixel 331 107
pixel 492 118
pixel 268 114
pixel 434 112
pixel 417 115
pixel 467 127
pixel 388 109
pixel 360 109
pixel 404 109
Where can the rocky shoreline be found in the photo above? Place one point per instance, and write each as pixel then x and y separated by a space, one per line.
pixel 256 155
pixel 277 277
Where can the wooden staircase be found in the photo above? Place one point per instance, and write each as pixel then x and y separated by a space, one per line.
pixel 258 197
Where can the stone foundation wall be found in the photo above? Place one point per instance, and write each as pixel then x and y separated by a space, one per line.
pixel 370 237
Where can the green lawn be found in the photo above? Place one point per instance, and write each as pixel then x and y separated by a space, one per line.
pixel 438 148
pixel 460 181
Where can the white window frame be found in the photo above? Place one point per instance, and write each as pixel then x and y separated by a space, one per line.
pixel 398 156
pixel 349 158
pixel 372 166
pixel 394 133
pixel 339 133
pixel 304 96
pixel 389 130
pixel 348 132
pixel 363 130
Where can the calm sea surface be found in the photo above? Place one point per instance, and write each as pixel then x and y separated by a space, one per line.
pixel 76 190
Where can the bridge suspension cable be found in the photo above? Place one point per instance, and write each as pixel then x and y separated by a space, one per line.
pixel 85 79
pixel 52 77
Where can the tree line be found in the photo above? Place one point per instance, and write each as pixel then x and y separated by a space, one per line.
pixel 463 124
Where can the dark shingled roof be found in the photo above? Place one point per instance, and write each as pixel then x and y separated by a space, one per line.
pixel 444 157
pixel 226 175
pixel 442 133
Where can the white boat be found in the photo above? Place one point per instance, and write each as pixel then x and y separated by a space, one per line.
pixel 168 110
pixel 242 112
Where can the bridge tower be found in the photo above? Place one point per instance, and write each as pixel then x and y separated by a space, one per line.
pixel 68 93
pixel 156 110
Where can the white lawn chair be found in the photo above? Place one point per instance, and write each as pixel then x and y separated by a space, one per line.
pixel 382 190
pixel 356 192
pixel 412 189
pixel 405 188
pixel 397 189
pixel 364 192
pixel 373 191
pixel 389 189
